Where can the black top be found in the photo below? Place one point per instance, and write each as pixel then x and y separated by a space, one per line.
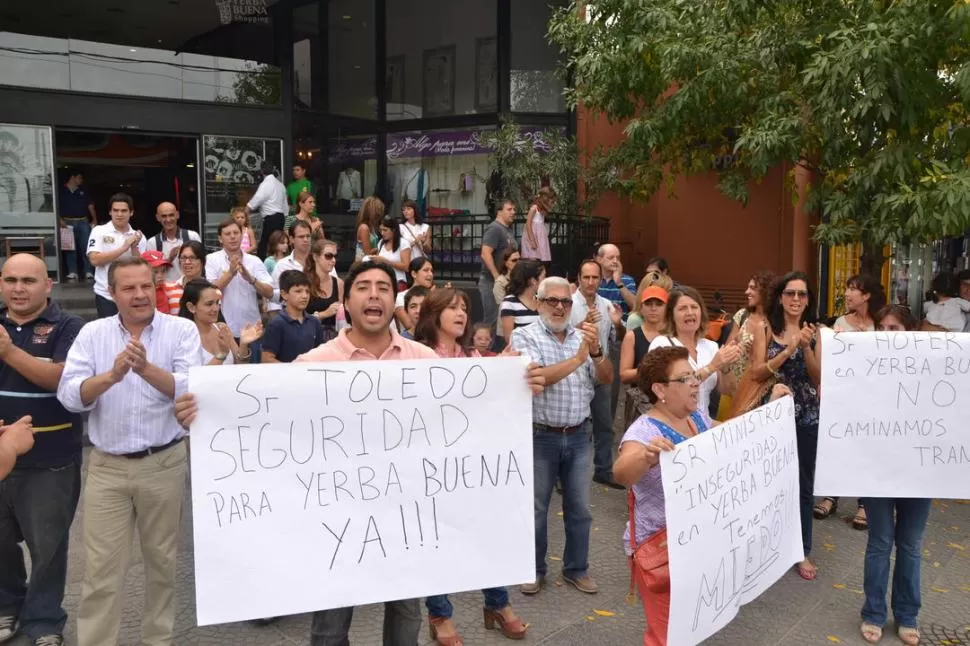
pixel 319 304
pixel 57 439
pixel 640 346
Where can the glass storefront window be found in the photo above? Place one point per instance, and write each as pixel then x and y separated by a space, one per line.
pixel 441 58
pixel 351 36
pixel 351 172
pixel 306 36
pixel 87 66
pixel 534 84
pixel 232 175
pixel 27 222
pixel 444 172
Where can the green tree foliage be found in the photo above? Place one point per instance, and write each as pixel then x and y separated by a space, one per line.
pixel 869 94
pixel 256 85
pixel 522 164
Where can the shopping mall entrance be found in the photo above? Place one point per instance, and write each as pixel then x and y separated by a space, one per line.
pixel 149 168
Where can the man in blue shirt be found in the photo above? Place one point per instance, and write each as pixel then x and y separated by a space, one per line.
pixel 39 497
pixel 77 211
pixel 621 290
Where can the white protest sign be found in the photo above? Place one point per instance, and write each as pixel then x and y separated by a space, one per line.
pixel 326 485
pixel 733 525
pixel 895 417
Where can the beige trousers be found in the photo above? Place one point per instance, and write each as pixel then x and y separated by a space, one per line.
pixel 119 495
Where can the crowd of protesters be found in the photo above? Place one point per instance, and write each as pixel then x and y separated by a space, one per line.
pixel 166 305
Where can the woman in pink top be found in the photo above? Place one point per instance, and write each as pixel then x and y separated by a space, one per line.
pixel 444 327
pixel 535 236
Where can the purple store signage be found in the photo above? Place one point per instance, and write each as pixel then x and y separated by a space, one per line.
pixel 432 144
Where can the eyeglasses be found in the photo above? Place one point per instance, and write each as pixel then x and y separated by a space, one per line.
pixel 795 293
pixel 329 255
pixel 556 302
pixel 187 258
pixel 686 379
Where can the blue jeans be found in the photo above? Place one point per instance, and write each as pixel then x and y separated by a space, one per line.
pixel 565 457
pixel 402 623
pixel 439 606
pixel 77 260
pixel 37 507
pixel 906 531
pixel 602 431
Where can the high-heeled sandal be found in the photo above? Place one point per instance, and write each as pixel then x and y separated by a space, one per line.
pixel 909 635
pixel 433 623
pixel 510 628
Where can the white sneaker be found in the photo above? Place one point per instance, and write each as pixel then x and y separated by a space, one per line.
pixel 8 628
pixel 72 278
pixel 49 640
pixel 89 277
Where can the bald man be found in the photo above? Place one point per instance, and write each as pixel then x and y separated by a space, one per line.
pixel 171 238
pixel 39 496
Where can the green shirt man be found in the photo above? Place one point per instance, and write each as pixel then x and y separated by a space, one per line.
pixel 300 184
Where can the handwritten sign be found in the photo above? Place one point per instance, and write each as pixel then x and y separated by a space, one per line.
pixel 733 527
pixel 327 485
pixel 894 417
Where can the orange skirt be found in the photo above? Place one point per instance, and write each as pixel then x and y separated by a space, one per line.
pixel 651 573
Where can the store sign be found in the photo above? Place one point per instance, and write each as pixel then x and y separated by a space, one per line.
pixel 432 144
pixel 231 11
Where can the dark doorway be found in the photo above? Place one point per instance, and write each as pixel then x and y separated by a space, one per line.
pixel 150 168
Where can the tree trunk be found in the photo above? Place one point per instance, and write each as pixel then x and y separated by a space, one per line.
pixel 872 259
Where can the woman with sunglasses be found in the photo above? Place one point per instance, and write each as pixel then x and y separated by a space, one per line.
pixel 326 290
pixel 670 383
pixel 793 358
pixel 444 326
pixel 191 261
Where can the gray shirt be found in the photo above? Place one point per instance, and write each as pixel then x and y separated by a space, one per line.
pixel 499 237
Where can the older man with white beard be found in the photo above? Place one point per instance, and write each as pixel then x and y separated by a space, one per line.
pixel 572 362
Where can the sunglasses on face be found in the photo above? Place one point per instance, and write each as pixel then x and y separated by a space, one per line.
pixel 329 255
pixel 795 293
pixel 555 302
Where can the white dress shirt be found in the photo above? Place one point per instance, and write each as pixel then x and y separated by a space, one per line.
pixel 240 302
pixel 284 264
pixel 175 271
pixel 348 185
pixel 132 415
pixel 105 237
pixel 605 326
pixel 270 197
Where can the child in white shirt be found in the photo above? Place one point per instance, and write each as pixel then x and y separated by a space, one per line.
pixel 947 310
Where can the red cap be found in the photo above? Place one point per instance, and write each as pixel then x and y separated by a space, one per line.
pixel 654 292
pixel 156 259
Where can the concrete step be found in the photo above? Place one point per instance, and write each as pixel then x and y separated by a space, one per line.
pixel 76 298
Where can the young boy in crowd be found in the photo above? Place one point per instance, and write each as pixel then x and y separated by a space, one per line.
pixel 482 339
pixel 160 266
pixel 292 332
pixel 413 299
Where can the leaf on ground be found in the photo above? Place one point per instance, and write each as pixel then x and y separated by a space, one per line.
pixel 936 564
pixel 856 591
pixel 559 514
pixel 833 639
pixel 554 558
pixel 964 588
pixel 590 618
pixel 828 546
pixel 838 586
pixel 938 589
pixel 604 613
pixel 956 546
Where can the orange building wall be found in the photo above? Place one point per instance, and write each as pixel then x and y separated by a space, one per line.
pixel 711 242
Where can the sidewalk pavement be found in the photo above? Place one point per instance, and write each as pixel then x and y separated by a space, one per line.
pixel 793 612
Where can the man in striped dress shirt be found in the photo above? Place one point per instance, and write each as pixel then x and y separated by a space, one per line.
pixel 127 370
pixel 39 497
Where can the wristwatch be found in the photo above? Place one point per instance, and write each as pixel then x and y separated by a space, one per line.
pixel 597 355
pixel 221 357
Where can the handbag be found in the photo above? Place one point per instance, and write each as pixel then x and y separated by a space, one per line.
pixel 752 392
pixel 650 572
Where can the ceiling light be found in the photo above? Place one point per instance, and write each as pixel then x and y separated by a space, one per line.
pixel 347 17
pixel 190 165
pixel 132 50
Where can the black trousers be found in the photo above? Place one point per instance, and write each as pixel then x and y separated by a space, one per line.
pixel 104 306
pixel 271 223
